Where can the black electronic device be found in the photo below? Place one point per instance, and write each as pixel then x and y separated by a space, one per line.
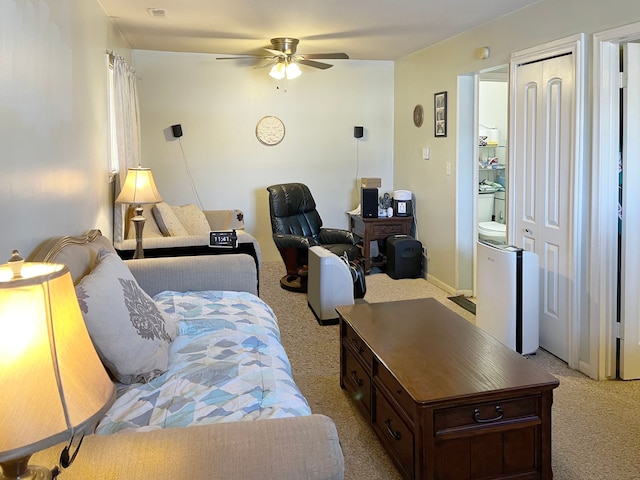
pixel 369 203
pixel 358 132
pixel 177 130
pixel 223 239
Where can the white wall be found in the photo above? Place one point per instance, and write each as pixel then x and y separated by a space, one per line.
pixel 53 120
pixel 493 106
pixel 218 104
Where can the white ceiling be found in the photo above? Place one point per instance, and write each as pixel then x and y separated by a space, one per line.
pixel 364 29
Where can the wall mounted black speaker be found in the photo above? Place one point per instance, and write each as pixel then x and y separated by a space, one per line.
pixel 369 203
pixel 177 130
pixel 358 132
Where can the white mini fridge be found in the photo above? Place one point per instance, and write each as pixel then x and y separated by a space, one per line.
pixel 508 296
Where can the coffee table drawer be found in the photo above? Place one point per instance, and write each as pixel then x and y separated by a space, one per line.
pixel 394 432
pixel 357 380
pixel 452 420
pixel 396 391
pixel 353 341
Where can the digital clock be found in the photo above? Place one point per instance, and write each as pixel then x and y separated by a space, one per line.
pixel 223 239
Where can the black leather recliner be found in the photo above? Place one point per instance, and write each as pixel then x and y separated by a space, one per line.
pixel 296 226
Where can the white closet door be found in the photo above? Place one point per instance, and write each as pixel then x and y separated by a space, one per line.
pixel 630 272
pixel 543 188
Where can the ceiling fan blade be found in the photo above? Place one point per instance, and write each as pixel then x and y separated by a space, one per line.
pixel 266 63
pixel 278 53
pixel 336 56
pixel 311 63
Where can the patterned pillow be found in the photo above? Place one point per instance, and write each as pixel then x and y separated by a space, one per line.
pixel 129 332
pixel 167 221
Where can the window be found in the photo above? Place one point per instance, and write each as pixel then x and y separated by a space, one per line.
pixel 113 142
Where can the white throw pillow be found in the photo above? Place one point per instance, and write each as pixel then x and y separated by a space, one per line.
pixel 193 220
pixel 167 221
pixel 237 220
pixel 129 332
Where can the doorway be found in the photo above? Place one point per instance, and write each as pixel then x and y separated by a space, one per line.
pixel 490 190
pixel 611 117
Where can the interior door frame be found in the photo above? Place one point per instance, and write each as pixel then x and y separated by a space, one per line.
pixel 575 45
pixel 604 194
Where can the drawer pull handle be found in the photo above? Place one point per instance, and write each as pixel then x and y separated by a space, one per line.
pixel 477 419
pixel 357 346
pixel 394 433
pixel 359 381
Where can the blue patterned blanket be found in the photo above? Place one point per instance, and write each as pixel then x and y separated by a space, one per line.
pixel 226 364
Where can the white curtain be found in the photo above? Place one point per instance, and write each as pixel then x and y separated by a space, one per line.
pixel 127 126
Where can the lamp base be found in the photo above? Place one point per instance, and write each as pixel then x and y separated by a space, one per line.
pixel 19 469
pixel 138 224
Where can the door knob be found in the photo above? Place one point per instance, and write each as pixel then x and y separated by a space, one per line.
pixel 528 231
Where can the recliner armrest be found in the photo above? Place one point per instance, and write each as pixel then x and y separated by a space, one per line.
pixel 285 240
pixel 330 236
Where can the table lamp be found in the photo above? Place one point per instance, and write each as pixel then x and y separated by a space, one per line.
pixel 139 188
pixel 53 386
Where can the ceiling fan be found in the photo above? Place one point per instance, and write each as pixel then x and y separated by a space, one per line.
pixel 284 59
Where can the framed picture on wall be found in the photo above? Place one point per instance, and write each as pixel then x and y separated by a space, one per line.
pixel 440 114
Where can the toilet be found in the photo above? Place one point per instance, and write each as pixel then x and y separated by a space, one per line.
pixel 488 230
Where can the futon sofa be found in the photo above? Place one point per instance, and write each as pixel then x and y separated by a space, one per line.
pixel 172 230
pixel 214 396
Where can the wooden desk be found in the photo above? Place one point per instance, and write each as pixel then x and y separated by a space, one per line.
pixel 446 399
pixel 369 229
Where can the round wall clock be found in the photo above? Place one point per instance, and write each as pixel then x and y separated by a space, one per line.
pixel 418 115
pixel 270 130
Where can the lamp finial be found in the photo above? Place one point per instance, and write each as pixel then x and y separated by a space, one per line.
pixel 15 263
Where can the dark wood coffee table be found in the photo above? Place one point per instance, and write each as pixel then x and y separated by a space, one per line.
pixel 446 399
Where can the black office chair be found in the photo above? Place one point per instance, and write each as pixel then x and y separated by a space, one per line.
pixel 296 226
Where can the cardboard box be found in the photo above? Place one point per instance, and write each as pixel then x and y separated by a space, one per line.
pixel 371 182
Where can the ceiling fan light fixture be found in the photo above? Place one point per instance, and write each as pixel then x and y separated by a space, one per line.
pixel 292 71
pixel 277 71
pixel 285 69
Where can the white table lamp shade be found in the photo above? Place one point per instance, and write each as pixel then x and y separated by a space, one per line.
pixel 52 383
pixel 139 188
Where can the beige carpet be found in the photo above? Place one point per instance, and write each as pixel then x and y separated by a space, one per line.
pixel 596 425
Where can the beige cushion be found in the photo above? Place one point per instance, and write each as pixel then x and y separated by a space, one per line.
pixel 151 229
pixel 130 333
pixel 167 221
pixel 193 220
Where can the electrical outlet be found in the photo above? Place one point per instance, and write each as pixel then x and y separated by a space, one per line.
pixel 447 168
